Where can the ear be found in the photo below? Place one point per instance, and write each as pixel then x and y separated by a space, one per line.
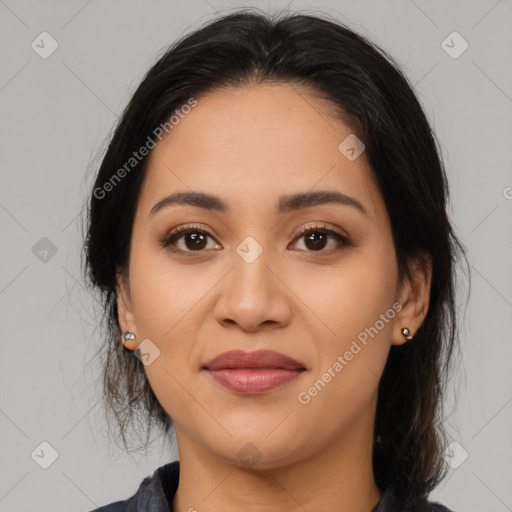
pixel 125 314
pixel 413 296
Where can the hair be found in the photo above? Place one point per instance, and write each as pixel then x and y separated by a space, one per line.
pixel 368 91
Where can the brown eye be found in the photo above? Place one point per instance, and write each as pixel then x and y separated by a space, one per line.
pixel 193 239
pixel 316 238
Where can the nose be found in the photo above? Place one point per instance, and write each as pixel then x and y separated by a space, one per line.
pixel 253 296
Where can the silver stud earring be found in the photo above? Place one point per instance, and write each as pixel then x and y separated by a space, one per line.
pixel 128 336
pixel 407 333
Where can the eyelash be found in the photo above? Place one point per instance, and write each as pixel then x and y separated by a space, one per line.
pixel 170 239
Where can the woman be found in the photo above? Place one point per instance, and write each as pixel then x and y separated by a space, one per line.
pixel 268 228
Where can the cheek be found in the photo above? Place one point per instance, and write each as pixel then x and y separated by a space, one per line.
pixel 359 316
pixel 162 300
pixel 166 301
pixel 352 297
pixel 161 294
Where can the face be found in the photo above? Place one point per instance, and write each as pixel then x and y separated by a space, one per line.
pixel 315 280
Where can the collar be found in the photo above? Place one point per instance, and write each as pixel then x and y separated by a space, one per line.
pixel 156 493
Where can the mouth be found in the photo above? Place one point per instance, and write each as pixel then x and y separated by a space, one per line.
pixel 253 372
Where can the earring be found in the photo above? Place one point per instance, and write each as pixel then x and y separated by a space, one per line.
pixel 128 336
pixel 407 333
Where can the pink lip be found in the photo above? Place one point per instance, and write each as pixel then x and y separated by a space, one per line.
pixel 253 372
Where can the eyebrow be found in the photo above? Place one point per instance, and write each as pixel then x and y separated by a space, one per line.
pixel 286 203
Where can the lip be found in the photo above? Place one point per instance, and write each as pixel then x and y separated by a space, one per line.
pixel 253 372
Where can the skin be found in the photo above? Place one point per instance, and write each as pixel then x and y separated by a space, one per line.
pixel 249 146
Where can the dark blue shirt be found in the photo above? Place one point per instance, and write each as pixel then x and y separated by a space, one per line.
pixel 156 492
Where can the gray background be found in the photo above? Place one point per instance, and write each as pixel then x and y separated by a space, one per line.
pixel 55 116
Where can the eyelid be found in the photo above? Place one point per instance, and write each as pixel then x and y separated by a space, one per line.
pixel 184 229
pixel 320 226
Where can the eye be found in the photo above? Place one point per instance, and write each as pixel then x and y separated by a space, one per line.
pixel 194 238
pixel 316 238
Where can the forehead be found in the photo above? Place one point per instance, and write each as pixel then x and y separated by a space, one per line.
pixel 268 139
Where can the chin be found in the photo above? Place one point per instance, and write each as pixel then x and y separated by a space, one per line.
pixel 256 449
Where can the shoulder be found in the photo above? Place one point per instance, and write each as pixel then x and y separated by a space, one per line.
pixel 396 502
pixel 155 492
pixel 437 507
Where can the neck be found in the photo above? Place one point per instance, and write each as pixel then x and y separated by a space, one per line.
pixel 338 477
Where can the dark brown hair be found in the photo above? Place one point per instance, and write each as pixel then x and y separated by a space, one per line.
pixel 367 89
